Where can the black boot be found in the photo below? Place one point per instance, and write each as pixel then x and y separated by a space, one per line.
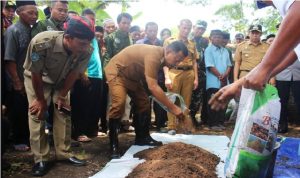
pixel 114 126
pixel 142 134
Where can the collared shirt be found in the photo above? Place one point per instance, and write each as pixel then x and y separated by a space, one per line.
pixel 193 54
pixel 291 73
pixel 46 25
pixel 283 8
pixel 46 55
pixel 134 63
pixel 250 55
pixel 217 57
pixel 16 40
pixel 94 68
pixel 146 40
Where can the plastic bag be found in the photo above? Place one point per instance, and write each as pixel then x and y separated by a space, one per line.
pixel 182 125
pixel 254 136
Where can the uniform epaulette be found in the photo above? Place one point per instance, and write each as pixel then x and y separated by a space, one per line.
pixel 42 45
pixel 240 44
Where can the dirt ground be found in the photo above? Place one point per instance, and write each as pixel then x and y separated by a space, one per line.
pixel 196 162
pixel 96 153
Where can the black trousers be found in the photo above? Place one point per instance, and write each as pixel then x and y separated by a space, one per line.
pixel 161 116
pixel 86 107
pixel 284 88
pixel 214 117
pixel 17 108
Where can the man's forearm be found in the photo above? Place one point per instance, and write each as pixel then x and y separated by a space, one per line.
pixel 37 83
pixel 69 82
pixel 214 71
pixel 195 67
pixel 236 70
pixel 11 68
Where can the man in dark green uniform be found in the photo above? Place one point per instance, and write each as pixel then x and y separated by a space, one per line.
pixel 59 14
pixel 198 95
pixel 53 63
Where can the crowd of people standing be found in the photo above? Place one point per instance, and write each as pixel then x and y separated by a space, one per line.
pixel 58 75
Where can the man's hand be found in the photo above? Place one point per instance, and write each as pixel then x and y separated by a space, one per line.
pixel 85 80
pixel 256 79
pixel 38 108
pixel 177 112
pixel 196 84
pixel 18 86
pixel 61 102
pixel 168 83
pixel 221 99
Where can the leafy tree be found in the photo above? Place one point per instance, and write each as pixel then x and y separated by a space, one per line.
pixel 192 2
pixel 234 17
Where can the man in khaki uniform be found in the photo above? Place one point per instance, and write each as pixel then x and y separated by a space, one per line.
pixel 182 79
pixel 249 53
pixel 54 61
pixel 126 73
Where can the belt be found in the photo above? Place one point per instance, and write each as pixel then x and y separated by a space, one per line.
pixel 183 67
pixel 245 70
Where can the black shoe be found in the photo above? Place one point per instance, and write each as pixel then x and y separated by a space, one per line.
pixel 148 141
pixel 76 162
pixel 40 169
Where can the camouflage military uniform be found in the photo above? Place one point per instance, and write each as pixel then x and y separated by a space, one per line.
pixel 46 25
pixel 197 95
pixel 114 43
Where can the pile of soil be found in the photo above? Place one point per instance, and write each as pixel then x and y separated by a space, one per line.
pixel 176 160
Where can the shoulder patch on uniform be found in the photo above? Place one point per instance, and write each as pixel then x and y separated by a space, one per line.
pixel 35 56
pixel 42 45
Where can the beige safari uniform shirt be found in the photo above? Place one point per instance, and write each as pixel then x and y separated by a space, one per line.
pixel 193 54
pixel 46 55
pixel 134 63
pixel 249 55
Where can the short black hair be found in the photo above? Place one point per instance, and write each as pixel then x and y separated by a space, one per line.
pixel 216 32
pixel 270 36
pixel 150 24
pixel 72 12
pixel 178 46
pixel 134 28
pixel 165 29
pixel 226 35
pixel 88 11
pixel 53 2
pixel 124 14
pixel 99 29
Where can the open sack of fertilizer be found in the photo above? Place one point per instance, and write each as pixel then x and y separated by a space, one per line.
pixel 254 136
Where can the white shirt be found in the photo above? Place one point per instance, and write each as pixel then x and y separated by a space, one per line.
pixel 283 7
pixel 291 73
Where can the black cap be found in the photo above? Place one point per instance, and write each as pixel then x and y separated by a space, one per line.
pixel 10 4
pixel 255 28
pixel 20 3
pixel 80 27
pixel 201 24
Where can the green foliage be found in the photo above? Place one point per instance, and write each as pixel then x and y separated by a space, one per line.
pixel 193 2
pixel 234 17
pixel 97 6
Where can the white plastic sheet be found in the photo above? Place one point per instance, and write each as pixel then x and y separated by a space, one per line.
pixel 120 168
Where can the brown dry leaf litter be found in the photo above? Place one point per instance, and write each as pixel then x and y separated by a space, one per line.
pixel 176 160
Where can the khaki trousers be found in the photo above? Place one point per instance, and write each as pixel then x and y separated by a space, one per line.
pixel 61 127
pixel 182 84
pixel 118 90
